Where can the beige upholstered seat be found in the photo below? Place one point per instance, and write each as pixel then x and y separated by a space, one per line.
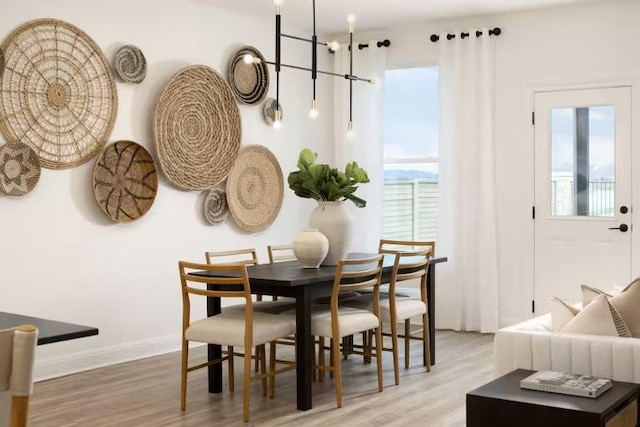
pixel 335 322
pixel 17 356
pixel 237 328
pixel 402 304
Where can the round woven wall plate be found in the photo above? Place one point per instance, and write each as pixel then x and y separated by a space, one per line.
pixel 269 111
pixel 19 168
pixel 249 82
pixel 125 181
pixel 255 188
pixel 216 209
pixel 130 64
pixel 197 130
pixel 57 93
pixel 1 64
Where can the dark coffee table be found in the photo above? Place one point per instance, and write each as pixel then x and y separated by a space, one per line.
pixel 503 403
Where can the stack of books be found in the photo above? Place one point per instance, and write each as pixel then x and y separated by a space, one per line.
pixel 563 383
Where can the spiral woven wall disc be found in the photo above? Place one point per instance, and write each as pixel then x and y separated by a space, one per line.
pixel 216 208
pixel 125 181
pixel 255 188
pixel 130 64
pixel 197 129
pixel 249 82
pixel 19 169
pixel 57 93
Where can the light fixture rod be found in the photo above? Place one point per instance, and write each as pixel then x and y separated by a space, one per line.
pixel 328 73
pixel 302 39
pixel 350 72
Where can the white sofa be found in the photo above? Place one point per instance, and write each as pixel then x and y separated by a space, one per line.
pixel 532 344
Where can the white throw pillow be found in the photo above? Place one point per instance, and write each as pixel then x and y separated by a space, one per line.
pixel 589 293
pixel 561 313
pixel 627 303
pixel 598 318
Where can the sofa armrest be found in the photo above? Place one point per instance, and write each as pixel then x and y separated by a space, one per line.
pixel 528 345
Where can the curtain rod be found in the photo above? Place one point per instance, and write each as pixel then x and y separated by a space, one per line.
pixel 383 43
pixel 492 32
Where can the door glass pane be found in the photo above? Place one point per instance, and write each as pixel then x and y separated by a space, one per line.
pixel 583 161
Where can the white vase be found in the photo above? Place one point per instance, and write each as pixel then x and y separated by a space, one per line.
pixel 310 247
pixel 333 219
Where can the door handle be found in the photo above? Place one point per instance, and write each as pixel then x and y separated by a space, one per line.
pixel 623 228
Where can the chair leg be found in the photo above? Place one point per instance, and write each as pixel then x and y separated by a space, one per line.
pixel 263 369
pixel 257 362
pixel 394 350
pixel 19 411
pixel 332 360
pixel 232 385
pixel 379 355
pixel 272 368
pixel 321 358
pixel 246 384
pixel 407 342
pixel 426 341
pixel 183 375
pixel 337 372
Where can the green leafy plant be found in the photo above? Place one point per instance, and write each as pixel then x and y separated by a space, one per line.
pixel 321 182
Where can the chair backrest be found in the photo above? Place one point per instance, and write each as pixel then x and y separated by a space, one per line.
pixel 392 246
pixel 246 256
pixel 410 265
pixel 221 280
pixel 17 358
pixel 280 253
pixel 353 274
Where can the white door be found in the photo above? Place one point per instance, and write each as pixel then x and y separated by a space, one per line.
pixel 582 206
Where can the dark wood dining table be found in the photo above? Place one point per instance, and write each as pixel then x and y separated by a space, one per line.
pixel 49 331
pixel 289 279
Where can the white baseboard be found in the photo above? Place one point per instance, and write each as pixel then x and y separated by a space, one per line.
pixel 58 366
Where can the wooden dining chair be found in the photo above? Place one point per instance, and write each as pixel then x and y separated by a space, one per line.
pixel 280 253
pixel 17 357
pixel 400 306
pixel 337 321
pixel 246 329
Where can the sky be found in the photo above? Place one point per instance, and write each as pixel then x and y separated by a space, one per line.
pixel 601 141
pixel 411 113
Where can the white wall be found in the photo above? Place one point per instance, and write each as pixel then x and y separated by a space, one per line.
pixel 581 45
pixel 62 258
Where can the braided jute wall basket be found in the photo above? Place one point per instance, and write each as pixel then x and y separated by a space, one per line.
pixel 19 169
pixel 197 131
pixel 125 181
pixel 249 82
pixel 130 64
pixel 57 93
pixel 255 188
pixel 216 208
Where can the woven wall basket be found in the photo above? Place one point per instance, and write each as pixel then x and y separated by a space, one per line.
pixel 197 129
pixel 249 82
pixel 216 208
pixel 255 188
pixel 19 169
pixel 57 93
pixel 130 64
pixel 125 181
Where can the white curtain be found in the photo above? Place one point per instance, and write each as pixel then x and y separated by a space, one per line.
pixel 467 286
pixel 365 147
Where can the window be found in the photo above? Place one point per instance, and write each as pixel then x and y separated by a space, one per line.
pixel 411 154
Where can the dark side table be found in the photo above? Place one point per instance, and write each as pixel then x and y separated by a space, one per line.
pixel 503 403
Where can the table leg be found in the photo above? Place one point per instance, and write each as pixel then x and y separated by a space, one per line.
pixel 214 351
pixel 304 349
pixel 431 299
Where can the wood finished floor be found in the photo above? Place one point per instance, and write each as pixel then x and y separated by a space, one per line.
pixel 146 393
